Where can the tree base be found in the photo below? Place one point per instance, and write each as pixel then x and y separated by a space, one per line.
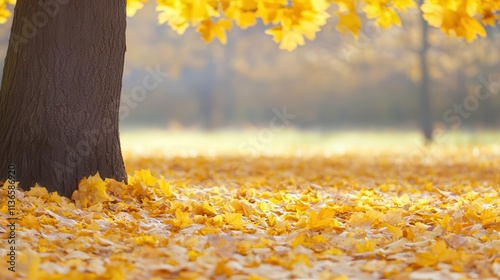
pixel 60 95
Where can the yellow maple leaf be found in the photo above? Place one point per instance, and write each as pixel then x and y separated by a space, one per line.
pixel 325 218
pixel 271 220
pixel 299 240
pixel 145 240
pixel 208 209
pixel 30 221
pixel 165 187
pixel 181 220
pixel 454 18
pixel 319 239
pixel 265 207
pixel 209 30
pixel 350 22
pixel 133 6
pixel 55 197
pixel 91 191
pixel 4 12
pixel 489 216
pixel 38 191
pixel 302 222
pixel 366 246
pixel 234 220
pixel 397 232
pixel 288 39
pixel 433 13
pixel 307 28
pixel 438 252
pixel 242 12
pixel 472 28
pixel 143 176
pixel 175 18
pixel 385 16
pixel 218 220
pixel 402 200
pixel 116 188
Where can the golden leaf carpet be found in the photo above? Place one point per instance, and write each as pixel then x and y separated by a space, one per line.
pixel 356 214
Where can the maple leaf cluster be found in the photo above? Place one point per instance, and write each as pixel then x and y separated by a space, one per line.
pixel 463 18
pixel 291 22
pixel 4 11
pixel 354 214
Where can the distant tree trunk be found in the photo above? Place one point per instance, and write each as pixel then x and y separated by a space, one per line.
pixel 206 93
pixel 461 85
pixel 230 96
pixel 60 94
pixel 425 103
pixel 487 115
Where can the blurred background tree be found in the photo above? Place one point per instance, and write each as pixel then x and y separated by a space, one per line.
pixel 335 82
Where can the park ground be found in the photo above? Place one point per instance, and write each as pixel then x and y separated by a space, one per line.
pixel 263 205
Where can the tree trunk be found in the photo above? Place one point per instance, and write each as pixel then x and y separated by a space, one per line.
pixel 206 93
pixel 60 95
pixel 425 103
pixel 230 76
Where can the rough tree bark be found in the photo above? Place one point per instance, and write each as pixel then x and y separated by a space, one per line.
pixel 60 94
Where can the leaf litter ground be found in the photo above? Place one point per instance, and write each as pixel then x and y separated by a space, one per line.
pixel 349 214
